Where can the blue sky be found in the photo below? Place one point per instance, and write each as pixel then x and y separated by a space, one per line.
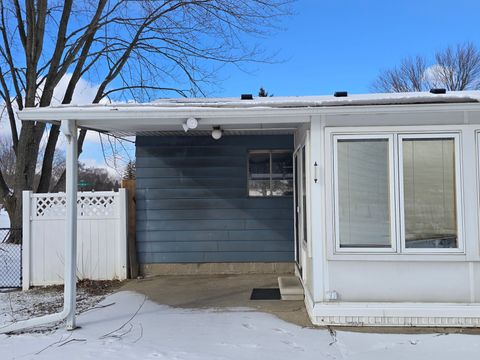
pixel 342 45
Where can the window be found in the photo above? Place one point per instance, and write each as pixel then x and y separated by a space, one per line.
pixel 270 173
pixel 429 192
pixel 363 209
pixel 381 180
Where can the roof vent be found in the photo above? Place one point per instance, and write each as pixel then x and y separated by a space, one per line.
pixel 438 91
pixel 340 94
pixel 246 97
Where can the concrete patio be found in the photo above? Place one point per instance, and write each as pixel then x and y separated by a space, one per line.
pixel 219 292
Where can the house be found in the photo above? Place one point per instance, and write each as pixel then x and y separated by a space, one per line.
pixel 372 199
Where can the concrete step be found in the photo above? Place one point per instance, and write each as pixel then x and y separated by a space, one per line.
pixel 290 288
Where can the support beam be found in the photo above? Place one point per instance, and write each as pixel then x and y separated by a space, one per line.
pixel 69 129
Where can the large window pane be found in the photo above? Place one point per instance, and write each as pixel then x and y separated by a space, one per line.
pixel 429 193
pixel 363 193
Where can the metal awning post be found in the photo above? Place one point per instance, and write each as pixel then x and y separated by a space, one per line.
pixel 69 128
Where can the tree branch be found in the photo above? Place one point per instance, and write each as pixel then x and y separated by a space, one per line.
pixel 7 54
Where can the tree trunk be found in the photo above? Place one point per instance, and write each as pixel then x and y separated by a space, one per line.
pixel 24 174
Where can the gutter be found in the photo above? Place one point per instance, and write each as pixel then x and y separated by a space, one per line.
pixel 116 113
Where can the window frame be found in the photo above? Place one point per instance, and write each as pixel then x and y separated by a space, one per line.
pixel 392 195
pixel 412 254
pixel 270 152
pixel 458 192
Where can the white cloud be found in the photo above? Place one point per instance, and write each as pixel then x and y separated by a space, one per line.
pixel 84 93
pixel 434 74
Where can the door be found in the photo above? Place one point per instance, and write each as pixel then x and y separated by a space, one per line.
pixel 300 206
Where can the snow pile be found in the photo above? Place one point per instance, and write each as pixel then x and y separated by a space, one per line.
pixel 472 96
pixel 127 326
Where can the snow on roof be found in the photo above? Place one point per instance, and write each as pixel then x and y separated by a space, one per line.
pixel 300 101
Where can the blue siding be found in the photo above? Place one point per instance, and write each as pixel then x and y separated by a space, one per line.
pixel 192 203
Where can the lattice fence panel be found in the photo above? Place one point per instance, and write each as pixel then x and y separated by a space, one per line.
pixel 50 206
pixel 96 206
pixel 91 205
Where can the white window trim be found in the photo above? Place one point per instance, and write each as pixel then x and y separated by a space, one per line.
pixel 458 193
pixel 449 254
pixel 392 196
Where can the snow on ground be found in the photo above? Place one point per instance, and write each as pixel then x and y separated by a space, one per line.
pixel 125 325
pixel 20 305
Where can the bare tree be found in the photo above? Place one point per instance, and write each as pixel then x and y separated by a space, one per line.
pixel 95 179
pixel 264 93
pixel 131 49
pixel 8 160
pixel 454 68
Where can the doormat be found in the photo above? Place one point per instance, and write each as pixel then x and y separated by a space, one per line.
pixel 266 294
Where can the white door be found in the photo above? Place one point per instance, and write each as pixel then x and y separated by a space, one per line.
pixel 300 207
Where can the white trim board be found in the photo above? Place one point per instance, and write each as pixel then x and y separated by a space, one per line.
pixel 395 314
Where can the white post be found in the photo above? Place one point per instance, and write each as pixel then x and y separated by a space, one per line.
pixel 70 131
pixel 317 206
pixel 68 128
pixel 122 234
pixel 26 238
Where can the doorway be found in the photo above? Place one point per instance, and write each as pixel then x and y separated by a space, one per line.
pixel 300 207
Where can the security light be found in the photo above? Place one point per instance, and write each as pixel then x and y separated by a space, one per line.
pixel 191 123
pixel 217 132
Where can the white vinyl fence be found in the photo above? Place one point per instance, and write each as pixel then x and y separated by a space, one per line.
pixel 101 244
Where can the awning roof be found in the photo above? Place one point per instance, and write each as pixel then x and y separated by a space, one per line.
pixel 166 115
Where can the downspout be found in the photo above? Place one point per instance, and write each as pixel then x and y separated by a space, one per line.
pixel 69 129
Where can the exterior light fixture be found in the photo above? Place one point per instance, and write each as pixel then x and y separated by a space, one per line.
pixel 191 123
pixel 217 132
